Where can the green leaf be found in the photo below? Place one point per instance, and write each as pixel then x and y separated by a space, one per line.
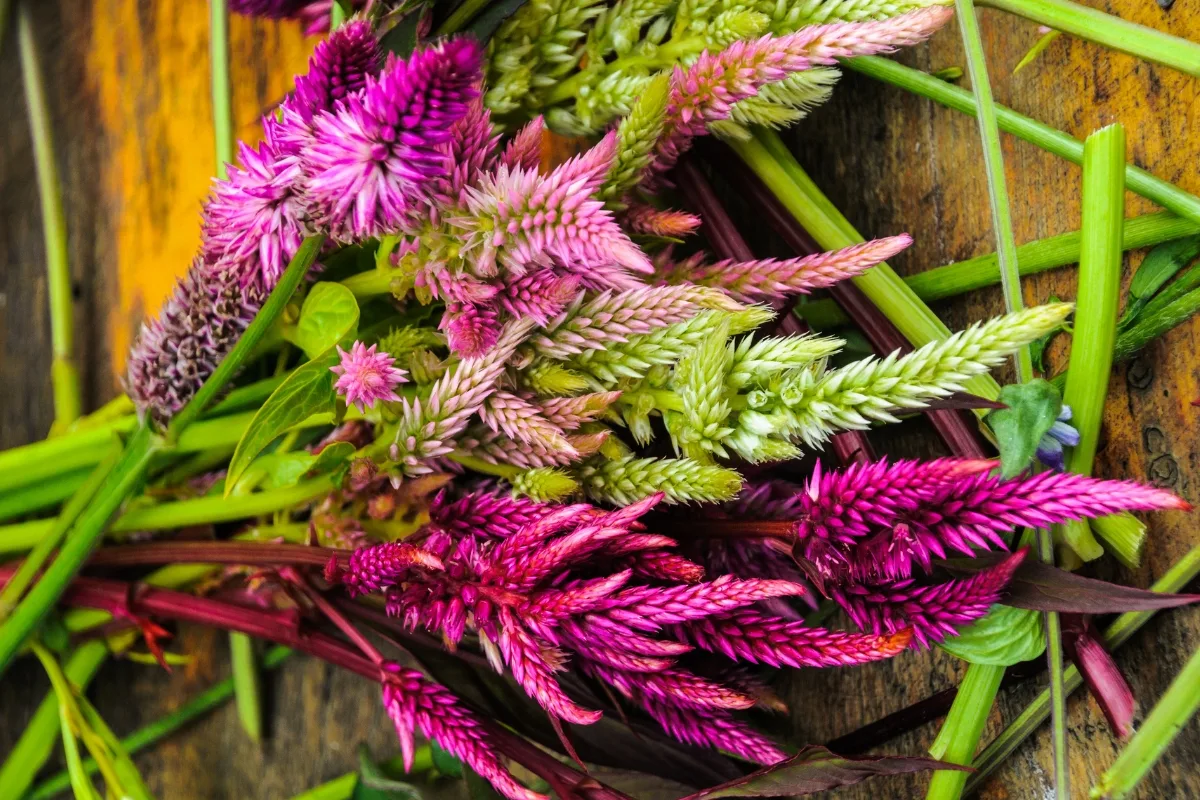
pixel 375 784
pixel 328 317
pixel 1032 409
pixel 132 785
pixel 276 470
pixel 307 391
pixel 1039 46
pixel 402 39
pixel 478 788
pixel 1001 638
pixel 484 25
pixel 1159 266
pixel 445 763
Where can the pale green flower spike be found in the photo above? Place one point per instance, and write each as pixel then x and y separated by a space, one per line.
pixel 700 382
pixel 637 135
pixel 755 362
pixel 549 379
pixel 682 480
pixel 583 66
pixel 544 484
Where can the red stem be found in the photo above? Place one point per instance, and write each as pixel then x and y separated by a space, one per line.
pixel 727 242
pixel 960 435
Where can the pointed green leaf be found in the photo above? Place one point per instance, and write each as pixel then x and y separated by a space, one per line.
pixel 307 391
pixel 1159 266
pixel 375 784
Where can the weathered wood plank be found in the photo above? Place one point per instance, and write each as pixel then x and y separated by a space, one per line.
pixel 129 90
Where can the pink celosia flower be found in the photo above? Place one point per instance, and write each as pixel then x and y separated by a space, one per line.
pixel 366 376
pixel 659 222
pixel 705 91
pixel 372 158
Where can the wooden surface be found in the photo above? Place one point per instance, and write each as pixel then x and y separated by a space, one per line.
pixel 128 88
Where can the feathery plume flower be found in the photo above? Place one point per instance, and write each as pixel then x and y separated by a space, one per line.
pixel 415 703
pixel 770 279
pixel 752 637
pixel 372 158
pixel 373 569
pixel 706 91
pixel 486 514
pixel 661 222
pixel 681 480
pixel 366 376
pixel 716 729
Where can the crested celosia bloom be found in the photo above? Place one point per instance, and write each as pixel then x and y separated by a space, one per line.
pixel 366 376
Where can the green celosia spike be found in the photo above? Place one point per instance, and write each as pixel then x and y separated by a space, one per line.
pixel 634 358
pixel 550 379
pixel 778 105
pixel 700 384
pixel 613 96
pixel 682 480
pixel 544 484
pixel 814 404
pixel 401 340
pixel 789 15
pixel 637 135
pixel 733 26
pixel 754 362
pixel 619 28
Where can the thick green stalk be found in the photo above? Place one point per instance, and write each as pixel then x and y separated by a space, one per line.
pixel 963 728
pixel 1166 719
pixel 41 552
pixel 241 648
pixel 47 494
pixel 161 728
pixel 1096 309
pixel 135 460
pixel 1114 32
pixel 993 164
pixel 37 742
pixel 1137 180
pixel 222 95
pixel 466 11
pixel 64 377
pixel 1033 257
pixel 84 537
pixel 769 158
pixel 1118 633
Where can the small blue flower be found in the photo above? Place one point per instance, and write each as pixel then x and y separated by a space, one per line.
pixel 1050 448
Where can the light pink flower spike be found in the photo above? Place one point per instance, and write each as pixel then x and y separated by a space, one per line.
pixel 366 376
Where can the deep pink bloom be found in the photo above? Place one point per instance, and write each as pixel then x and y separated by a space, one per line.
pixel 659 222
pixel 931 612
pixel 373 569
pixel 415 703
pixel 486 514
pixel 752 637
pixel 366 376
pixel 254 220
pixel 372 159
pixel 716 729
pixel 471 330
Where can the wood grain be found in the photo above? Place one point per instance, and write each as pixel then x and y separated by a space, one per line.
pixel 129 90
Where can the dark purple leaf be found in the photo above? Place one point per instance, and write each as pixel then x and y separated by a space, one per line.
pixel 1042 587
pixel 1104 678
pixel 965 401
pixel 816 769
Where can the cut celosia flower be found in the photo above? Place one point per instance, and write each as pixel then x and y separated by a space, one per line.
pixel 372 157
pixel 554 588
pixel 366 376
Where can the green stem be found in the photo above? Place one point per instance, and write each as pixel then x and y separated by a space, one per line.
pixel 68 402
pixel 1113 32
pixel 960 734
pixel 222 100
pixel 993 163
pixel 1058 691
pixel 1096 309
pixel 43 495
pixel 1054 141
pixel 1166 720
pixel 506 471
pixel 41 552
pixel 1033 257
pixel 158 730
pixel 38 740
pixel 465 12
pixel 770 159
pixel 1118 633
pixel 247 685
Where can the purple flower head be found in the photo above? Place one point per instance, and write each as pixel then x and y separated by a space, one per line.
pixel 254 219
pixel 372 158
pixel 471 330
pixel 313 14
pixel 365 376
pixel 1062 433
pixel 339 67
